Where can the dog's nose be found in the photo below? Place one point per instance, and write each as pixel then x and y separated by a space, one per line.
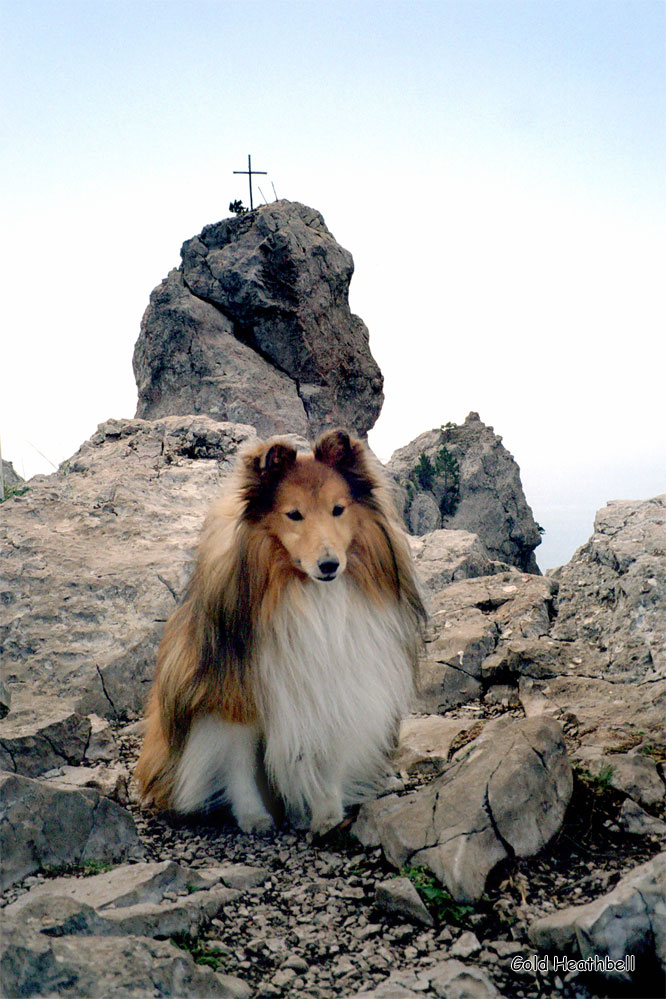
pixel 328 566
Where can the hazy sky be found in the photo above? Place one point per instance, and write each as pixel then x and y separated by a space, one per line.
pixel 496 169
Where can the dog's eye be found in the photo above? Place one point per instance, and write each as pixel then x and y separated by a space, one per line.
pixel 337 510
pixel 295 515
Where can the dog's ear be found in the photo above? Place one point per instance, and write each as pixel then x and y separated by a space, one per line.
pixel 336 448
pixel 347 455
pixel 275 461
pixel 264 468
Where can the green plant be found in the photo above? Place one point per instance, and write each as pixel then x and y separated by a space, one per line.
pixel 92 867
pixel 202 951
pixel 448 470
pixel 437 899
pixel 423 472
pixel 17 490
pixel 237 207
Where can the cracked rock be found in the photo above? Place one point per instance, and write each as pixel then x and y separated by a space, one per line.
pixel 41 733
pixel 255 327
pixel 46 826
pixel 631 919
pixel 504 794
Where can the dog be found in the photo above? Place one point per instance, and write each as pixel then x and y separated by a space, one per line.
pixel 295 649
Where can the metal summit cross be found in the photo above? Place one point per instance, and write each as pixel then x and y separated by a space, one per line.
pixel 250 172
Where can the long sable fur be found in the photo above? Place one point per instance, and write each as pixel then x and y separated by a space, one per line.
pixel 206 656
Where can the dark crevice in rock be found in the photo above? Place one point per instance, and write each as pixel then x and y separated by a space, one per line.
pixel 168 585
pixel 105 692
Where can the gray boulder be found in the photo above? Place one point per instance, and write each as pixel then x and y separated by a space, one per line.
pixel 255 326
pixel 629 920
pixel 46 826
pixel 41 733
pixel 505 794
pixel 94 558
pixel 399 897
pixel 471 483
pixel 443 557
pixel 33 964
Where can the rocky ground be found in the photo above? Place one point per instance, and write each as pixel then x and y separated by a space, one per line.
pixel 308 919
pixel 530 814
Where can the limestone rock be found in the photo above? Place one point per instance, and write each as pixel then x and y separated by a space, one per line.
pixel 33 964
pixel 143 883
pixel 631 919
pixel 506 794
pixel 453 979
pixel 255 326
pixel 46 826
pixel 472 620
pixel 484 495
pixel 443 557
pixel 10 476
pixel 111 781
pixel 425 742
pixel 634 820
pixel 41 733
pixel 399 897
pixel 612 594
pixel 94 558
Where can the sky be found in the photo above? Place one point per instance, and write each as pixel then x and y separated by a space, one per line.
pixel 496 169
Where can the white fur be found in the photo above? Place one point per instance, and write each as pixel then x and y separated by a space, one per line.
pixel 332 683
pixel 219 764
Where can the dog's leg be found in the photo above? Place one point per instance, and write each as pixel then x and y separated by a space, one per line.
pixel 326 804
pixel 220 761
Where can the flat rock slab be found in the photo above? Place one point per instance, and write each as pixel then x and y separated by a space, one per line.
pixel 33 964
pixel 126 885
pixel 41 733
pixel 629 920
pixel 444 557
pixel 45 826
pixel 503 794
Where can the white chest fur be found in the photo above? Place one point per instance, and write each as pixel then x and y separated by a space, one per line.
pixel 333 682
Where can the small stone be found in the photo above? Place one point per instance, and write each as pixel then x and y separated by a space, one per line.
pixel 466 945
pixel 398 896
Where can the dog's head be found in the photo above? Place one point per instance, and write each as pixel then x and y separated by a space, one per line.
pixel 309 502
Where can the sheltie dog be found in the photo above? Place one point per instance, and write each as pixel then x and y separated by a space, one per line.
pixel 293 653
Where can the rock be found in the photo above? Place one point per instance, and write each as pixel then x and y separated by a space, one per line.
pixel 241 876
pixel 634 820
pixel 45 826
pixel 454 980
pixel 5 699
pixel 637 776
pixel 466 945
pixel 127 885
pixel 506 795
pixel 95 556
pixel 629 920
pixel 443 557
pixel 426 741
pixel 101 744
pixel 98 967
pixel 109 781
pixel 10 476
pixel 472 620
pixel 41 733
pixel 255 327
pixel 612 594
pixel 399 897
pixel 474 484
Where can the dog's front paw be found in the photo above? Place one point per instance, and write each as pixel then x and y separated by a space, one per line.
pixel 325 819
pixel 255 822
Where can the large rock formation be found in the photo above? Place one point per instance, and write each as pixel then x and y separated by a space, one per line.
pixel 464 478
pixel 254 327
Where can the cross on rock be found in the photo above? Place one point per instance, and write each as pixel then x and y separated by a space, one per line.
pixel 250 172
